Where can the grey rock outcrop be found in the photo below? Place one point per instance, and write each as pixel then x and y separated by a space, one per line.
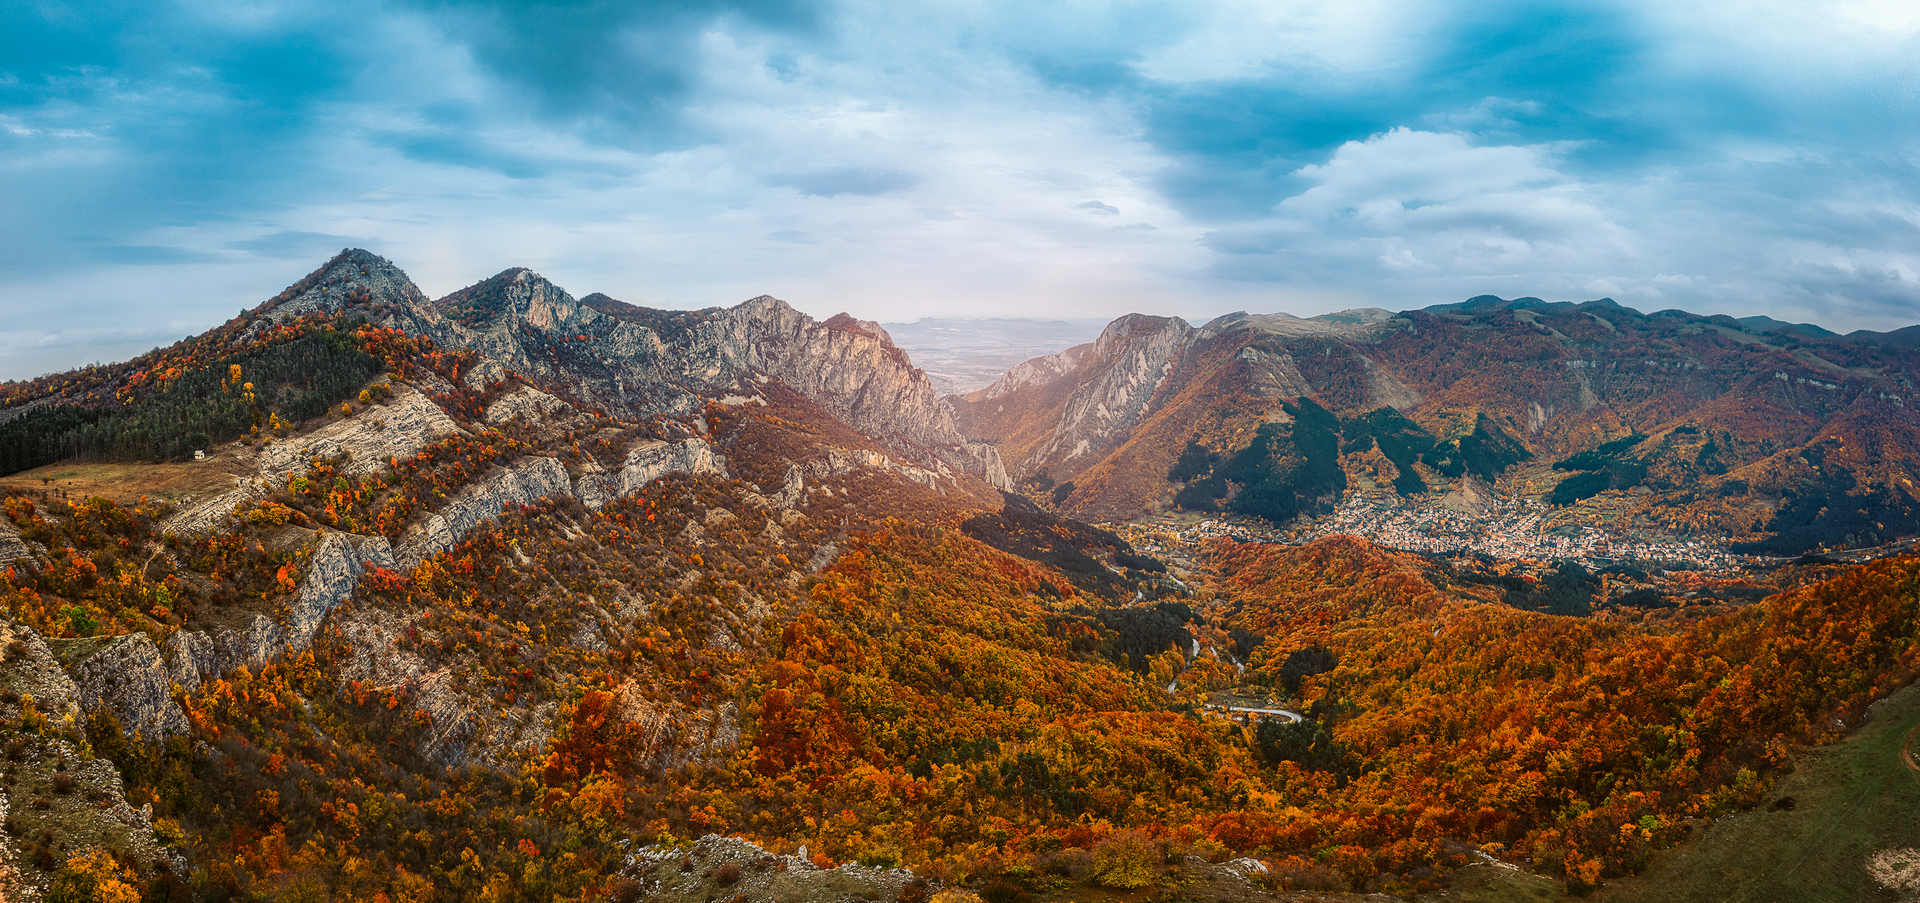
pixel 1134 356
pixel 847 460
pixel 354 281
pixel 1039 371
pixel 675 735
pixel 980 459
pixel 370 439
pixel 334 571
pixel 201 516
pixel 35 670
pixel 12 546
pixel 646 462
pixel 634 362
pixel 465 726
pixel 331 577
pixel 126 676
pixel 526 403
pixel 1273 374
pixel 522 483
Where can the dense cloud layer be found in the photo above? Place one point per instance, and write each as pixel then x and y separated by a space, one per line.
pixel 167 164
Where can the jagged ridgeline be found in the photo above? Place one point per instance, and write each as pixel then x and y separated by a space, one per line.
pixel 1294 468
pixel 295 380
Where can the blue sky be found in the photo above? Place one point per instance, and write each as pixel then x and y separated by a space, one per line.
pixel 165 164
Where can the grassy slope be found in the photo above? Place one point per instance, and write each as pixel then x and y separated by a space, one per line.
pixel 1851 799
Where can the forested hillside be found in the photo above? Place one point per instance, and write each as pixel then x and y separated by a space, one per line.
pixel 424 627
pixel 1777 441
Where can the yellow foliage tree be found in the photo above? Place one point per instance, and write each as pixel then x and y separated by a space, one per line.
pixel 93 877
pixel 1123 860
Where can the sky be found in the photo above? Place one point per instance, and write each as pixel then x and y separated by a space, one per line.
pixel 165 164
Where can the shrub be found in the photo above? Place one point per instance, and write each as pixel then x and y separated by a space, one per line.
pixel 1072 862
pixel 1000 890
pixel 625 890
pixel 1295 873
pixel 1124 860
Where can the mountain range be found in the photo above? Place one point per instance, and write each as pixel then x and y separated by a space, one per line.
pixel 1779 438
pixel 512 595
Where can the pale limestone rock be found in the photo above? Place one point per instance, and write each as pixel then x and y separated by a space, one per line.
pixel 846 460
pixel 334 572
pixel 37 671
pixel 524 482
pixel 205 515
pixel 527 403
pixel 126 676
pixel 1272 375
pixel 791 489
pixel 1039 371
pixel 1134 356
pixel 371 439
pixel 338 561
pixel 190 653
pixel 353 271
pixel 654 362
pixel 980 459
pixel 673 735
pixel 646 462
pixel 1384 388
pixel 12 547
pixel 373 636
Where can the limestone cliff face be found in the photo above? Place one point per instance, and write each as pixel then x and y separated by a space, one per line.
pixel 12 547
pixel 529 480
pixel 334 571
pixel 99 814
pixel 126 676
pixel 634 361
pixel 1272 374
pixel 645 463
pixel 527 404
pixel 1037 372
pixel 849 367
pixel 370 440
pixel 356 281
pixel 1128 364
pixel 522 483
pixel 35 670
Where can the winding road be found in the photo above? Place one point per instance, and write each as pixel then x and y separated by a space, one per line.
pixel 1292 717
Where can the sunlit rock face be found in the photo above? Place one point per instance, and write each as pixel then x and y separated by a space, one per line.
pixel 633 361
pixel 1134 355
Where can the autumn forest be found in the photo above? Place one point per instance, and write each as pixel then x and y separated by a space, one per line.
pixel 427 623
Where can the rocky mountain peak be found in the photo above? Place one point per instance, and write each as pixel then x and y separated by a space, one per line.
pixel 511 295
pixel 846 321
pixel 1133 327
pixel 355 278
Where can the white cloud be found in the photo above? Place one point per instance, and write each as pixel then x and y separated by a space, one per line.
pixel 1413 200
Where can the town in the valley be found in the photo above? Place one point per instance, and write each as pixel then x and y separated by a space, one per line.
pixel 1503 528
